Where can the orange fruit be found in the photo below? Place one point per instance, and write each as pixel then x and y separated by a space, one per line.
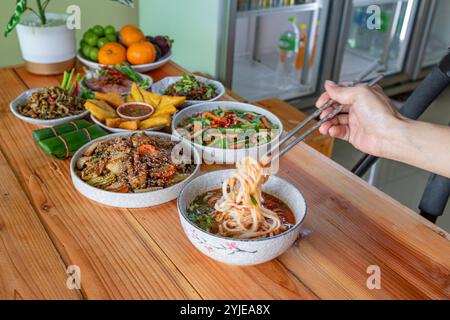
pixel 130 34
pixel 141 53
pixel 112 53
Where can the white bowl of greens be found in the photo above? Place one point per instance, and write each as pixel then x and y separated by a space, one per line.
pixel 226 131
pixel 196 89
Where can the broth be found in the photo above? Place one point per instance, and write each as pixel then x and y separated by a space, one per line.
pixel 201 211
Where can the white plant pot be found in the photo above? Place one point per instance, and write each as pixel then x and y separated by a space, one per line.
pixel 47 49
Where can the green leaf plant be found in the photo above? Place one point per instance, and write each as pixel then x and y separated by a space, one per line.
pixel 39 10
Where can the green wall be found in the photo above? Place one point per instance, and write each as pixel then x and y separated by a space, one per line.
pixel 92 12
pixel 193 24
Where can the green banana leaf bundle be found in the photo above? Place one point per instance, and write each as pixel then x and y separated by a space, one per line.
pixel 64 146
pixel 46 133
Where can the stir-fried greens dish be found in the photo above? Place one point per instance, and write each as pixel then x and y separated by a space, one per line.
pixel 228 129
pixel 192 88
pixel 133 164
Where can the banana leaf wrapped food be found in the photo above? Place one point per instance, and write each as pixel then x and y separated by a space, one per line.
pixel 64 146
pixel 55 131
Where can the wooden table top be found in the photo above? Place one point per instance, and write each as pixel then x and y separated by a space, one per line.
pixel 46 226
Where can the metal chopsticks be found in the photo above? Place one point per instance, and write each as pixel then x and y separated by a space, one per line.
pixel 272 154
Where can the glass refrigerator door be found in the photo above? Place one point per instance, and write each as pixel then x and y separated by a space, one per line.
pixel 438 40
pixel 256 60
pixel 385 44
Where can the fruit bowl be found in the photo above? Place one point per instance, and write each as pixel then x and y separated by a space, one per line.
pixel 139 68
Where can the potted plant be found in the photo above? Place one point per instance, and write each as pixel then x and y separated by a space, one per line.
pixel 48 45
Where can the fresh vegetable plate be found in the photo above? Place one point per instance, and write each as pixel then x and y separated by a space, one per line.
pixel 161 87
pixel 138 68
pixel 22 99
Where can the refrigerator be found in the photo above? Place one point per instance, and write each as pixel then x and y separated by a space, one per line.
pixel 383 45
pixel 411 37
pixel 251 57
pixel 431 40
pixel 236 41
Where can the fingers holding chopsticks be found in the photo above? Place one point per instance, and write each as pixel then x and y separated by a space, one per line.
pixel 338 127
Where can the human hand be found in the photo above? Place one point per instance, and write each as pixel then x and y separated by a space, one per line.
pixel 368 118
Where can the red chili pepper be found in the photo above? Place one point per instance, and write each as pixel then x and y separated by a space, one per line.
pixel 75 91
pixel 115 71
pixel 236 122
pixel 228 125
pixel 250 116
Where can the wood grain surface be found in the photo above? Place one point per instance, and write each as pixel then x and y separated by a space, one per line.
pixel 138 254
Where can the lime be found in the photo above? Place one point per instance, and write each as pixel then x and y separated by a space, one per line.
pixel 98 30
pixel 110 30
pixel 112 37
pixel 86 50
pixel 82 44
pixel 93 54
pixel 102 41
pixel 91 39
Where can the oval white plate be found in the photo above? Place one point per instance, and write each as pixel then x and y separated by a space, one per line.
pixel 161 86
pixel 94 72
pixel 118 130
pixel 130 200
pixel 22 99
pixel 139 68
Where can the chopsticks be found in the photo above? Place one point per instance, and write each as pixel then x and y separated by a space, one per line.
pixel 272 154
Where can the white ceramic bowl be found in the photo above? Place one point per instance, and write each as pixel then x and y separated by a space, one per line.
pixel 226 156
pixel 235 251
pixel 161 86
pixel 131 200
pixel 119 130
pixel 22 99
pixel 94 72
pixel 139 68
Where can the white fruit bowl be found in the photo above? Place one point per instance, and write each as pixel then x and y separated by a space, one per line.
pixel 139 68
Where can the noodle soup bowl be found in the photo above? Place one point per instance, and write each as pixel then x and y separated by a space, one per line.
pixel 240 251
pixel 214 155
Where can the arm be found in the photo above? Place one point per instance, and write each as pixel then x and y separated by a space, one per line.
pixel 420 144
pixel 373 126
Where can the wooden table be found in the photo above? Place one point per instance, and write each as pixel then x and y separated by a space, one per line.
pixel 46 225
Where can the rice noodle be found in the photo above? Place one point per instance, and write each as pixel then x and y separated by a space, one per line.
pixel 240 212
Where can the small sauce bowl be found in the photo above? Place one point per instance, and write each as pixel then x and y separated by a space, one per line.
pixel 135 110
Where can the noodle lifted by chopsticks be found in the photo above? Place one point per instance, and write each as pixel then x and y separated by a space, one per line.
pixel 240 213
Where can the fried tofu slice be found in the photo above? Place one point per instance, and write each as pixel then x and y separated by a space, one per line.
pixel 114 99
pixel 156 121
pixel 129 125
pixel 100 109
pixel 151 98
pixel 114 122
pixel 136 94
pixel 170 100
pixel 166 109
